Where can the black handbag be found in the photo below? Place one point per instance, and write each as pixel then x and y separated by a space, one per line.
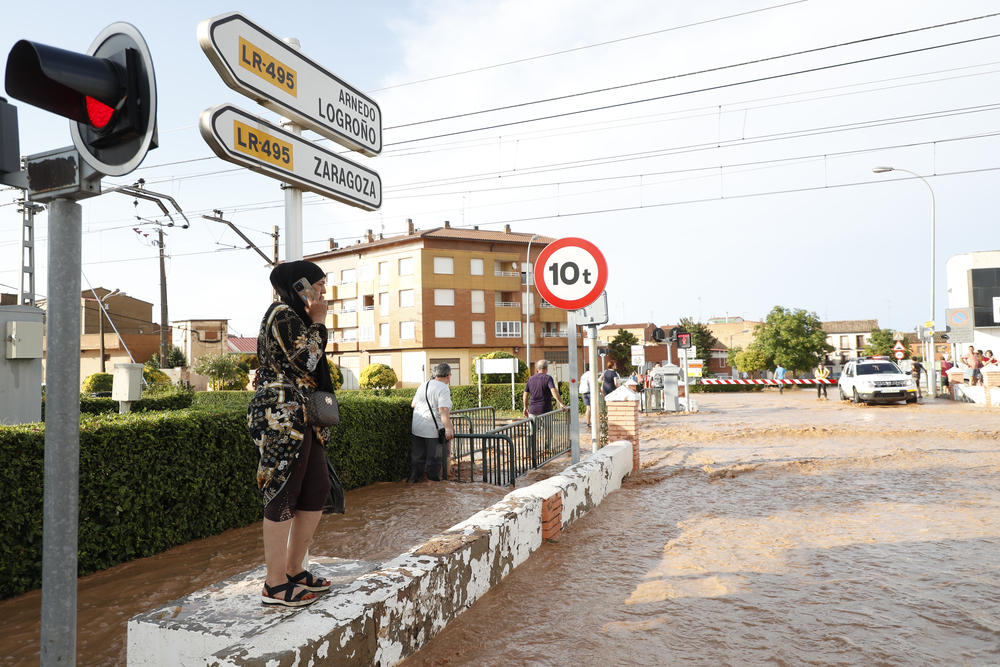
pixel 321 408
pixel 335 501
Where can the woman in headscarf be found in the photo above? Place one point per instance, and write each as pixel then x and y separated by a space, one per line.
pixel 292 474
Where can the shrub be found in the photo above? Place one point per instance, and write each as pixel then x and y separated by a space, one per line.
pixel 98 382
pixel 336 376
pixel 377 376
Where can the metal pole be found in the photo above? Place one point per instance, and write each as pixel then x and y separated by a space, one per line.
pixel 60 509
pixel 293 196
pixel 529 281
pixel 595 393
pixel 574 389
pixel 164 331
pixel 684 370
pixel 26 281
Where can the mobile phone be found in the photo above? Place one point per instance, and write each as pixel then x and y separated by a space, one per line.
pixel 305 290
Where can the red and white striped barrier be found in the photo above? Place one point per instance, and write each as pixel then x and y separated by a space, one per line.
pixel 770 382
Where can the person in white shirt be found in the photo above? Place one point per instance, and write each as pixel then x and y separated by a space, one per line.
pixel 431 416
pixel 585 390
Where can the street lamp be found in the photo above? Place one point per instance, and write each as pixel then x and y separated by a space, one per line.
pixel 932 376
pixel 528 272
pixel 100 315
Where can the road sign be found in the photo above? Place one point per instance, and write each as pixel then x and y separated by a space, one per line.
pixel 960 325
pixel 929 325
pixel 256 63
pixel 899 347
pixel 898 336
pixel 594 314
pixel 638 355
pixel 244 139
pixel 899 355
pixel 573 273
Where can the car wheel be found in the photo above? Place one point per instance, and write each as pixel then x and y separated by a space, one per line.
pixel 911 400
pixel 855 398
pixel 843 396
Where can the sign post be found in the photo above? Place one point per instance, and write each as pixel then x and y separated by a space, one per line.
pixel 572 275
pixel 593 315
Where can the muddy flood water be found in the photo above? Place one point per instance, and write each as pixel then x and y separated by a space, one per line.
pixel 765 529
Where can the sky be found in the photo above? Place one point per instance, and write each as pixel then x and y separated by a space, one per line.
pixel 719 154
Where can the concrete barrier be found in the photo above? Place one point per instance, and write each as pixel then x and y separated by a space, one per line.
pixel 375 617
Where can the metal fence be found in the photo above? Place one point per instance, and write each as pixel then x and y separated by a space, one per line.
pixel 501 455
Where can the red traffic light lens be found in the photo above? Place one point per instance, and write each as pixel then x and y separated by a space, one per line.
pixel 98 113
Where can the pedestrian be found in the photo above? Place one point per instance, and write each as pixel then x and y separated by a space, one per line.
pixel 946 366
pixel 822 373
pixel 915 372
pixel 779 374
pixel 585 385
pixel 972 360
pixel 292 473
pixel 609 379
pixel 431 427
pixel 540 391
pixel 989 359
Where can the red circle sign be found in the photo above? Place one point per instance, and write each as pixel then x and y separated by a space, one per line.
pixel 571 273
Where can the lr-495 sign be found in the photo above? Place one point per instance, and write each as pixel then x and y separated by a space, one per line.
pixel 571 273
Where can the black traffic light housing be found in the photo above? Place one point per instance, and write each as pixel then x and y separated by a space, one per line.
pixel 673 334
pixel 109 94
pixel 683 340
pixel 658 335
pixel 602 350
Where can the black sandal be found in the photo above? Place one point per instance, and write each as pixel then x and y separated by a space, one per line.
pixel 271 593
pixel 309 582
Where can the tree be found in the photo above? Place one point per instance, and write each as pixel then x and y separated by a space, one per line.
pixel 701 338
pixel 880 344
pixel 377 376
pixel 749 360
pixel 499 378
pixel 223 370
pixel 176 358
pixel 620 350
pixel 792 338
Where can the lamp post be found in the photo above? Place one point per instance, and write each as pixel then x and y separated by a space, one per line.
pixel 932 375
pixel 100 316
pixel 529 271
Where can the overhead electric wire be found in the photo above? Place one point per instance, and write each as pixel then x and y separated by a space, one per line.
pixel 583 48
pixel 698 72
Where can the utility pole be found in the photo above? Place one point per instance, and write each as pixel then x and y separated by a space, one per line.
pixel 26 279
pixel 164 349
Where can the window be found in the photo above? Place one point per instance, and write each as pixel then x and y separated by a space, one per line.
pixel 406 266
pixel 508 329
pixel 383 334
pixel 406 298
pixel 861 342
pixel 444 297
pixel 845 342
pixel 350 335
pixel 349 306
pixel 366 332
pixel 407 331
pixel 476 267
pixel 347 276
pixel 444 265
pixel 383 273
pixel 366 272
pixel 383 304
pixel 479 333
pixel 381 359
pixel 478 301
pixel 444 329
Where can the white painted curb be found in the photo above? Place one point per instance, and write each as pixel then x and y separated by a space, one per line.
pixel 385 615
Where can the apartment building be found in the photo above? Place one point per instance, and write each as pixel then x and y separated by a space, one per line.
pixel 438 295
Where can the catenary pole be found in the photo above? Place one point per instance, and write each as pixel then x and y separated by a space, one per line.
pixel 293 195
pixel 61 492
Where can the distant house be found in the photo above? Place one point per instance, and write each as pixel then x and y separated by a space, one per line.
pixel 848 338
pixel 242 345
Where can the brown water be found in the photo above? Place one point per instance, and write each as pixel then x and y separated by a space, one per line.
pixel 382 521
pixel 769 530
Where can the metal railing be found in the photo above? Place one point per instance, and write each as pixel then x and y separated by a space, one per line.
pixel 482 419
pixel 502 454
pixel 507 304
pixel 507 274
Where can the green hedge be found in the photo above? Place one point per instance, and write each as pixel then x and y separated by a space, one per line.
pixel 153 480
pixel 724 388
pixel 466 396
pixel 171 398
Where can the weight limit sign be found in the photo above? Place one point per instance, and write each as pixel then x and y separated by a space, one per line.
pixel 571 273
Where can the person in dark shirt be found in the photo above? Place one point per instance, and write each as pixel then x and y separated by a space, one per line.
pixel 539 392
pixel 609 379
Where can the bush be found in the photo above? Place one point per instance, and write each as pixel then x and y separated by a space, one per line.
pixel 98 382
pixel 336 376
pixel 377 376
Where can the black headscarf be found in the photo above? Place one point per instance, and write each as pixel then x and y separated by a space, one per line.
pixel 282 278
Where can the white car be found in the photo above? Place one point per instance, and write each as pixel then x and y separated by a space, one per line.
pixel 874 379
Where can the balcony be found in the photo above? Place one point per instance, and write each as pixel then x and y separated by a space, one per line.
pixel 507 304
pixel 507 274
pixel 557 334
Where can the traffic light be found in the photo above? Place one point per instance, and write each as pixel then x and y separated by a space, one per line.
pixel 602 351
pixel 673 334
pixel 658 335
pixel 683 340
pixel 109 94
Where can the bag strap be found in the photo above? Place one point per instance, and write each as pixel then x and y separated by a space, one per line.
pixel 429 406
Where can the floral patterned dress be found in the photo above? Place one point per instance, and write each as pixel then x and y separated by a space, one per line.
pixel 289 352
